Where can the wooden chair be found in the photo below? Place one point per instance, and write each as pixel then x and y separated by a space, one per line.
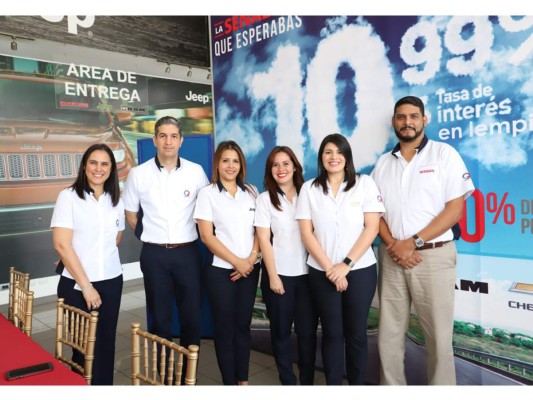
pixel 16 276
pixel 22 308
pixel 77 329
pixel 154 348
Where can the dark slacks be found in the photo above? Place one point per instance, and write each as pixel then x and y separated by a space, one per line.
pixel 173 275
pixel 104 348
pixel 344 323
pixel 232 304
pixel 294 306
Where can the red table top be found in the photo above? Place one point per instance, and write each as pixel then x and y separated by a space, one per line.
pixel 18 350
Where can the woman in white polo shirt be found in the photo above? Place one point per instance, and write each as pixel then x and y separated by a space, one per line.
pixel 339 214
pixel 87 223
pixel 225 216
pixel 284 280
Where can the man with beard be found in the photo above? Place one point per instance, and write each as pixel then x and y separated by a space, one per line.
pixel 423 184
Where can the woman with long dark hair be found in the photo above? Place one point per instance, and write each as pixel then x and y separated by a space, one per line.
pixel 339 214
pixel 225 216
pixel 284 279
pixel 87 223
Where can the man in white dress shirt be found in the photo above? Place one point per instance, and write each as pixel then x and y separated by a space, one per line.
pixel 165 188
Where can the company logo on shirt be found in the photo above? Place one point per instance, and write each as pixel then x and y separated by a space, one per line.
pixel 186 193
pixel 380 199
pixel 427 171
pixel 466 176
pixel 251 209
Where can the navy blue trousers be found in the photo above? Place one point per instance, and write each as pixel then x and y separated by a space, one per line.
pixel 343 316
pixel 173 275
pixel 104 348
pixel 232 304
pixel 294 306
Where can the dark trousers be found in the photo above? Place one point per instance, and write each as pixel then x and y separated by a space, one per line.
pixel 344 323
pixel 294 306
pixel 104 347
pixel 173 275
pixel 232 304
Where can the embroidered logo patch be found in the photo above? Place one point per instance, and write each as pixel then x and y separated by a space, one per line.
pixel 186 193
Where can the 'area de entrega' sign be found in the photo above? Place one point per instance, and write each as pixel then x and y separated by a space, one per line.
pixel 108 89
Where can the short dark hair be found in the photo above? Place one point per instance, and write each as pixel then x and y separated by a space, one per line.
pixel 349 170
pixel 271 185
pixel 168 120
pixel 111 186
pixel 413 100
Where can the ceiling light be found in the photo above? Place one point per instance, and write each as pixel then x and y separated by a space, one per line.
pixel 208 73
pixel 14 44
pixel 189 73
pixel 167 69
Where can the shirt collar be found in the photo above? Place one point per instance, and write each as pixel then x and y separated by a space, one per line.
pixel 221 186
pixel 161 166
pixel 396 149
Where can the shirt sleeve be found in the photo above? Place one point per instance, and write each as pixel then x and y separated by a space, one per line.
pixel 303 208
pixel 203 181
pixel 121 218
pixel 130 195
pixel 373 201
pixel 262 211
pixel 457 179
pixel 203 209
pixel 63 213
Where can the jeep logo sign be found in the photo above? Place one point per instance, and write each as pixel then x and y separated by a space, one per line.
pixel 202 98
pixel 73 21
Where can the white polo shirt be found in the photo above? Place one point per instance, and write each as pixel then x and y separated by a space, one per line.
pixel 232 218
pixel 415 192
pixel 95 225
pixel 167 200
pixel 338 222
pixel 289 251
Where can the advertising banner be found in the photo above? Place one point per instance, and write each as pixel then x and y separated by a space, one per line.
pixel 50 114
pixel 291 80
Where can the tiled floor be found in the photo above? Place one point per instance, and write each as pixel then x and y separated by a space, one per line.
pixel 262 367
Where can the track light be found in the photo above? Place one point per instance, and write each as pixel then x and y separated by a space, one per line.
pixel 208 73
pixel 189 73
pixel 14 43
pixel 167 69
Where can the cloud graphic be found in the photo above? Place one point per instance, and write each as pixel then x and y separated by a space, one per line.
pixel 374 98
pixel 282 83
pixel 232 126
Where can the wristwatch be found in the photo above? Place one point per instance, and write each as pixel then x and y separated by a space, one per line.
pixel 419 242
pixel 348 262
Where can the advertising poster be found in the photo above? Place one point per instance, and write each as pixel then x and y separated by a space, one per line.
pixel 291 80
pixel 49 115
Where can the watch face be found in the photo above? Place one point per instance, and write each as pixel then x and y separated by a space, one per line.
pixel 419 242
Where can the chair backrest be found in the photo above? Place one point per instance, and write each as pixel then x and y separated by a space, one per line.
pixel 77 329
pixel 22 308
pixel 16 276
pixel 161 357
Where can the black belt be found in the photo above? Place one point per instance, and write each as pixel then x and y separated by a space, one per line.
pixel 169 245
pixel 432 245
